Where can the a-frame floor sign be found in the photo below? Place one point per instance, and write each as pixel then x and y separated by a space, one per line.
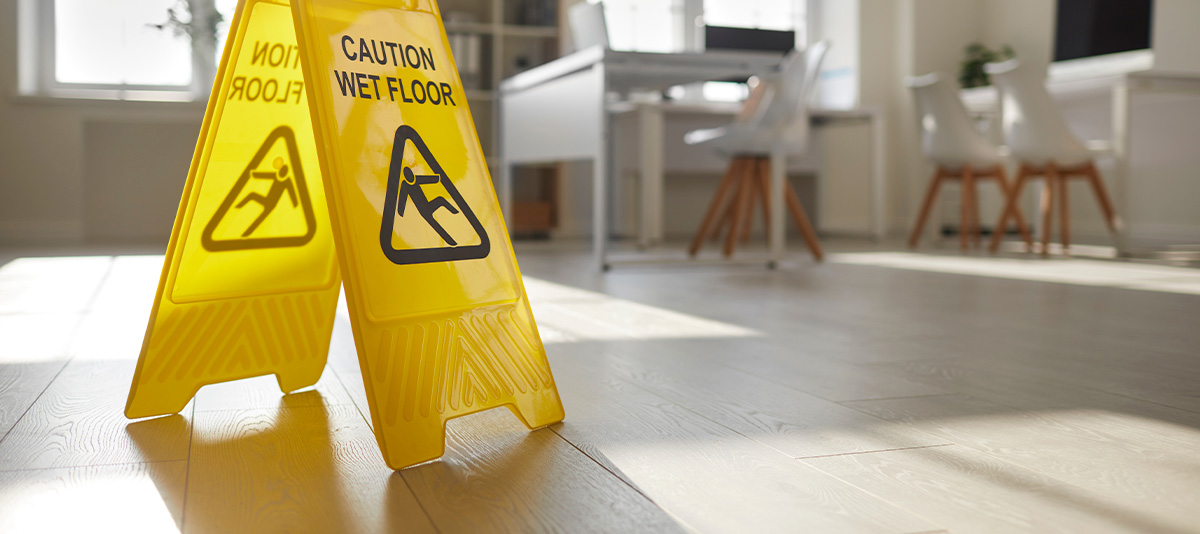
pixel 338 147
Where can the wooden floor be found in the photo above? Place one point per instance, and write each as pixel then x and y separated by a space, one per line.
pixel 866 394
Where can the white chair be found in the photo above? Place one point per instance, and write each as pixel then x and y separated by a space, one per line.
pixel 587 24
pixel 1043 145
pixel 958 152
pixel 775 118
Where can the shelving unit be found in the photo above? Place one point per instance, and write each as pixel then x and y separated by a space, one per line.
pixel 512 36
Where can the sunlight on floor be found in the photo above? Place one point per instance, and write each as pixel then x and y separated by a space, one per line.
pixel 1057 270
pixel 580 315
pixel 122 498
pixel 96 308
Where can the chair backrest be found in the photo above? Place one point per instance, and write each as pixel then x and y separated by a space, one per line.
pixel 1034 127
pixel 786 109
pixel 588 27
pixel 947 134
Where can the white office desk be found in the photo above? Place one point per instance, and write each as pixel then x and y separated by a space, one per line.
pixel 1122 87
pixel 559 112
pixel 651 115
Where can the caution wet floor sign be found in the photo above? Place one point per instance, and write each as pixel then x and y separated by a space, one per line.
pixel 338 147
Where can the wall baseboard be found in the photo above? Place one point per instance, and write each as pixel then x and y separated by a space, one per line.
pixel 1154 233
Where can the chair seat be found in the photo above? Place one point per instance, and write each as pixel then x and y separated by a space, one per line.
pixel 738 139
pixel 1069 154
pixel 978 155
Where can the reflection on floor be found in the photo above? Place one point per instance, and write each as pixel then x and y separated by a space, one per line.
pixel 1076 271
pixel 880 392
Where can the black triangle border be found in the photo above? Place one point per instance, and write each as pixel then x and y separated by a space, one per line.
pixel 289 139
pixel 387 224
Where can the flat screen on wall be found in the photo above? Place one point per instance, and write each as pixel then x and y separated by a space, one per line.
pixel 1086 28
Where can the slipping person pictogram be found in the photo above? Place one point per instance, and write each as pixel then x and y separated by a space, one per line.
pixel 411 189
pixel 280 183
pixel 286 177
pixel 404 185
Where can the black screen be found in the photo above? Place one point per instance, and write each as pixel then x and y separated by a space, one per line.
pixel 1096 27
pixel 720 37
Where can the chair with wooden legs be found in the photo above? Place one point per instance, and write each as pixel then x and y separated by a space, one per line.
pixel 958 152
pixel 746 184
pixel 775 118
pixel 1044 146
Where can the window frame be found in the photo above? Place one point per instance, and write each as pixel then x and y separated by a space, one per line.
pixel 45 60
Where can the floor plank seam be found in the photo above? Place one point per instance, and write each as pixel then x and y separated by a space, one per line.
pixel 280 407
pixel 878 496
pixel 366 416
pixel 636 489
pixel 709 419
pixel 898 397
pixel 876 451
pixel 70 355
pixel 631 486
pixel 188 471
pixel 1055 381
pixel 769 377
pixel 86 466
pixel 49 383
pixel 417 499
pixel 604 467
pixel 367 419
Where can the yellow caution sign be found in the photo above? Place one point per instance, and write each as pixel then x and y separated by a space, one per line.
pixel 342 125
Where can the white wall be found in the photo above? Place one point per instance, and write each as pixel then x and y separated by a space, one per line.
pixel 63 161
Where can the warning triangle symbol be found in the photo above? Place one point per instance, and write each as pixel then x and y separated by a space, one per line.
pixel 272 183
pixel 414 200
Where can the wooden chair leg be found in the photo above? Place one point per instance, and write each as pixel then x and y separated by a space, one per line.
pixel 976 228
pixel 731 174
pixel 1022 226
pixel 726 221
pixel 1012 209
pixel 726 214
pixel 1106 205
pixel 802 223
pixel 756 192
pixel 764 187
pixel 1048 207
pixel 930 196
pixel 1064 213
pixel 964 222
pixel 797 210
pixel 740 206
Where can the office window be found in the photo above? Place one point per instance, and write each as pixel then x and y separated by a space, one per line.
pixel 644 25
pixel 113 45
pixel 226 9
pixel 785 15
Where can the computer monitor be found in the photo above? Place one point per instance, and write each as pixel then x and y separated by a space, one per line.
pixel 725 38
pixel 1087 28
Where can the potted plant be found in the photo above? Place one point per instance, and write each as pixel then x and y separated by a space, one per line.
pixel 197 20
pixel 971 73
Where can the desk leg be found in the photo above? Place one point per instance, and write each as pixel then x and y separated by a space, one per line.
pixel 778 230
pixel 1121 141
pixel 506 189
pixel 878 178
pixel 600 167
pixel 650 126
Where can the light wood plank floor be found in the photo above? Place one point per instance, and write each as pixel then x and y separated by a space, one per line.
pixel 879 392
